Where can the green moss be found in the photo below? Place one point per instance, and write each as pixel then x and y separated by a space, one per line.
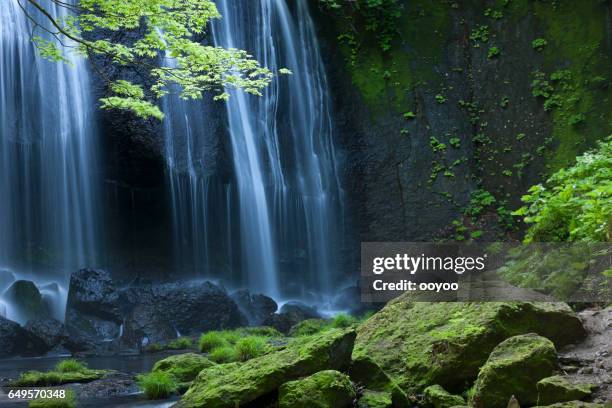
pixel 437 397
pixel 233 384
pixel 69 401
pixel 419 343
pixel 183 367
pixel 325 389
pixel 579 48
pixel 513 368
pixel 375 399
pixel 66 371
pixel 385 78
pixel 560 389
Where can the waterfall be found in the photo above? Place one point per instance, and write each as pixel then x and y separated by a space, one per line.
pixel 279 213
pixel 48 168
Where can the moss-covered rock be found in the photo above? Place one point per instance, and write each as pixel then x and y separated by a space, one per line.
pixel 325 389
pixel 572 404
pixel 514 368
pixel 230 385
pixel 419 344
pixel 51 378
pixel 437 397
pixel 365 371
pixel 183 367
pixel 375 399
pixel 559 389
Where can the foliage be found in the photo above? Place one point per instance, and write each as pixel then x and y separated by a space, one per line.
pixel 183 367
pixel 493 52
pixel 378 17
pixel 575 204
pixel 181 343
pixel 70 366
pixel 157 384
pixel 250 347
pixel 211 340
pixel 223 354
pixel 539 43
pixel 164 30
pixel 343 320
pixel 479 200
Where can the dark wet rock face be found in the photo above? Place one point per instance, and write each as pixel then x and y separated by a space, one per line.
pixel 92 310
pixel 161 312
pixel 256 307
pixel 51 332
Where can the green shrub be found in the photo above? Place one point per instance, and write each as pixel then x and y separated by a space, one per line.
pixel 342 320
pixel 211 340
pixel 308 327
pixel 71 366
pixel 157 384
pixel 250 347
pixel 539 43
pixel 181 343
pixel 263 331
pixel 154 348
pixel 69 401
pixel 575 204
pixel 223 354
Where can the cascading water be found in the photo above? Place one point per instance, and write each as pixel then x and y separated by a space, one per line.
pixel 48 170
pixel 280 212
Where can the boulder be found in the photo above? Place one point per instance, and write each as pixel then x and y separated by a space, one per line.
pixel 183 367
pixel 15 341
pixel 156 313
pixel 573 404
pixel 26 299
pixel 92 309
pixel 419 344
pixel 375 399
pixel 559 389
pixel 514 368
pixel 51 332
pixel 325 389
pixel 435 396
pixel 364 371
pixel 257 308
pixel 291 313
pixel 233 384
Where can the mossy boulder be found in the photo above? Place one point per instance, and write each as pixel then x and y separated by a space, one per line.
pixel 419 344
pixel 375 399
pixel 183 367
pixel 364 371
pixel 514 368
pixel 435 396
pixel 572 404
pixel 230 385
pixel 325 389
pixel 559 389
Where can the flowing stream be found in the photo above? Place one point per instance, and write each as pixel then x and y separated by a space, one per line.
pixel 275 222
pixel 48 165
